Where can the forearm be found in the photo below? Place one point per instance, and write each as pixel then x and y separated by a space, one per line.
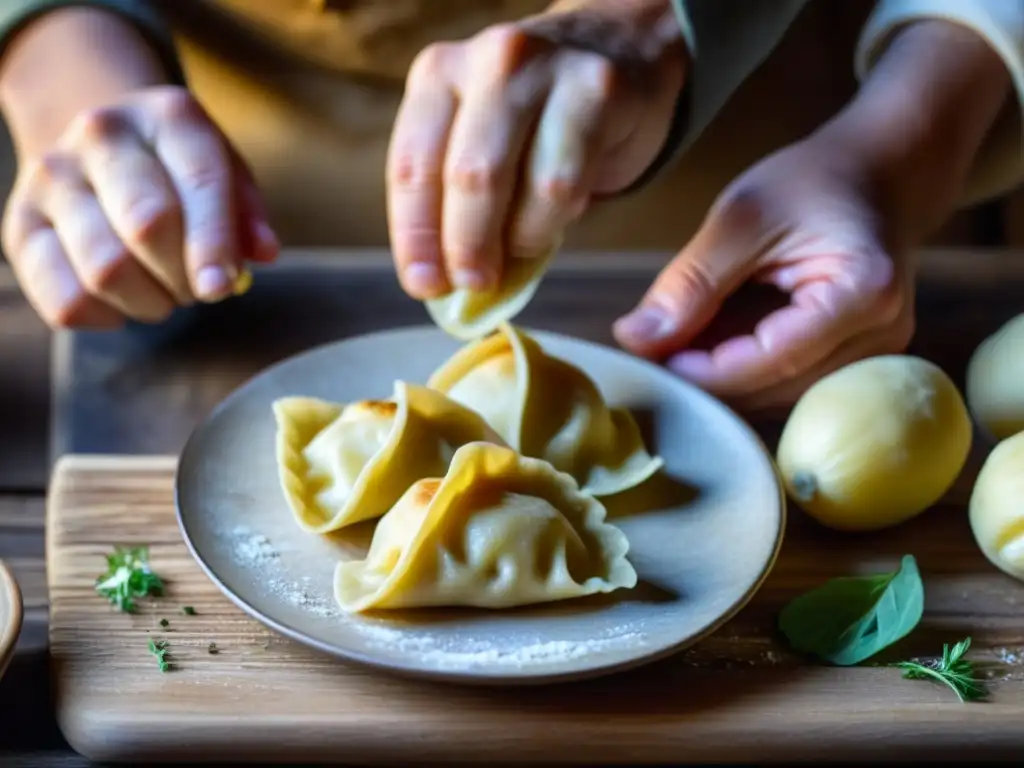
pixel 66 61
pixel 922 116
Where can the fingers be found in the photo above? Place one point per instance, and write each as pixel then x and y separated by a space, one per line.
pixel 791 341
pixel 196 159
pixel 46 276
pixel 105 268
pixel 482 165
pixel 415 161
pixel 136 194
pixel 890 340
pixel 687 294
pixel 567 139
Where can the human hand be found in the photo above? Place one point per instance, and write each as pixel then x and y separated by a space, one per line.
pixel 140 207
pixel 808 222
pixel 502 140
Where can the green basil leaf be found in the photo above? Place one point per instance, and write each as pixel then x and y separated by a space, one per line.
pixel 848 620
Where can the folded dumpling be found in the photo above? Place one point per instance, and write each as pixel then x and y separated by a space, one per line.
pixel 549 409
pixel 468 314
pixel 341 464
pixel 499 530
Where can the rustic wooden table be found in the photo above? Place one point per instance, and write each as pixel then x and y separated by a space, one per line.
pixel 141 390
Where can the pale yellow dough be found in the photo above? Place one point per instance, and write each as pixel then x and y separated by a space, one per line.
pixel 342 464
pixel 469 315
pixel 498 530
pixel 548 409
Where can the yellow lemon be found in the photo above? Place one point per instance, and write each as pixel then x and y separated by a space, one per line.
pixel 995 381
pixel 874 443
pixel 997 507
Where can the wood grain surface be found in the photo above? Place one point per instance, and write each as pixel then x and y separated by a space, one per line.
pixel 103 387
pixel 738 696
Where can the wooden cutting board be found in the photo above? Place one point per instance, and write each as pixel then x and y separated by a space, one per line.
pixel 738 696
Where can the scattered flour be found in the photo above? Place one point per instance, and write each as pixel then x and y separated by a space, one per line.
pixel 254 550
pixel 298 596
pixel 453 654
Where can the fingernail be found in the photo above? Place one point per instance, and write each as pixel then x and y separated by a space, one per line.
pixel 695 366
pixel 471 279
pixel 645 324
pixel 423 278
pixel 214 283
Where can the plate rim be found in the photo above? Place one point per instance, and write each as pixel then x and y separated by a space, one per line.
pixel 12 597
pixel 467 676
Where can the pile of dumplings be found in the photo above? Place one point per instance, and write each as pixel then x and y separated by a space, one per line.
pixel 486 482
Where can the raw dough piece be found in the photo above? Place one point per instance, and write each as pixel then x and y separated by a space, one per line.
pixel 548 409
pixel 468 315
pixel 499 530
pixel 342 464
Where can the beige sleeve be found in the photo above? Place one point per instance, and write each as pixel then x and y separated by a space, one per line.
pixel 1000 164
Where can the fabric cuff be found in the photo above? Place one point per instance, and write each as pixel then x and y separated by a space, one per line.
pixel 999 166
pixel 138 12
pixel 726 40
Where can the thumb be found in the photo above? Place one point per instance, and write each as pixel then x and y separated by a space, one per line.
pixel 687 294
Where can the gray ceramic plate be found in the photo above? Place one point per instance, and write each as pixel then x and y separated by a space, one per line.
pixel 10 616
pixel 703 536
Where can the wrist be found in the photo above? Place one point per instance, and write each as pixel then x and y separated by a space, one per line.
pixel 920 119
pixel 68 61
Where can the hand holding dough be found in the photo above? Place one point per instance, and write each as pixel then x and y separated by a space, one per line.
pixel 468 315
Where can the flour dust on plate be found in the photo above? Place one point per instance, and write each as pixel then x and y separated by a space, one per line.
pixel 701 509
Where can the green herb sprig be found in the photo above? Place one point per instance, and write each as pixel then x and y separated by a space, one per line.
pixel 159 649
pixel 952 670
pixel 128 578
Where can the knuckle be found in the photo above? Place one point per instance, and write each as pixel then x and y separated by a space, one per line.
pixel 146 220
pixel 53 168
pixel 199 177
pixel 468 254
pixel 475 176
pixel 740 208
pixel 504 47
pixel 98 125
pixel 885 297
pixel 105 273
pixel 69 313
pixel 429 65
pixel 686 282
pixel 411 172
pixel 178 104
pixel 560 189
